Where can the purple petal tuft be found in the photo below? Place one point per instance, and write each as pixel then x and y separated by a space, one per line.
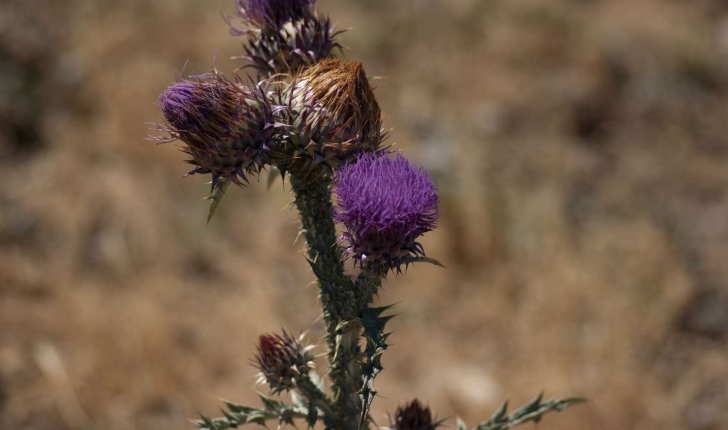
pixel 385 204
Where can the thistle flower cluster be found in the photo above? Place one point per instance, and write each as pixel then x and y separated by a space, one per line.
pixel 233 129
pixel 316 120
pixel 283 36
pixel 386 204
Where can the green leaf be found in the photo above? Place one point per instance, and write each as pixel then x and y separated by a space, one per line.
pixel 376 339
pixel 460 425
pixel 529 407
pixel 207 421
pixel 228 416
pixel 239 409
pixel 218 192
pixel 565 403
pixel 500 413
pixel 531 411
pixel 320 275
pixel 270 404
pixel 408 260
pixel 273 174
pixel 297 400
pixel 257 418
pixel 312 416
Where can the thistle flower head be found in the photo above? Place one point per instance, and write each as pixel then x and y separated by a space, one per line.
pixel 334 115
pixel 338 104
pixel 385 204
pixel 283 36
pixel 273 13
pixel 225 126
pixel 281 358
pixel 413 416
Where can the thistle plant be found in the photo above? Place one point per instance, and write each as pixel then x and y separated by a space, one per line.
pixel 314 120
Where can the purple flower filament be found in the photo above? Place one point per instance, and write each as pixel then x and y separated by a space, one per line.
pixel 385 204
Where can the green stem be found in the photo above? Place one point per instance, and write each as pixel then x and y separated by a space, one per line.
pixel 368 283
pixel 313 200
pixel 319 399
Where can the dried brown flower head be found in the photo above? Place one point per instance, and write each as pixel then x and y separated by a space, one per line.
pixel 334 115
pixel 343 106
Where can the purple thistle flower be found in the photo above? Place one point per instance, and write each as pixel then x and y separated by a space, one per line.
pixel 385 204
pixel 226 126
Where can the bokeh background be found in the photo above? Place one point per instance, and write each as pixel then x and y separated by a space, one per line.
pixel 580 148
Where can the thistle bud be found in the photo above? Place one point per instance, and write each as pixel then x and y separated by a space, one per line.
pixel 386 205
pixel 281 359
pixel 284 36
pixel 413 416
pixel 225 126
pixel 335 115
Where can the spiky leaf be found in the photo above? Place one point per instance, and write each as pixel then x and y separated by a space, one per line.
pixel 531 411
pixel 218 192
pixel 374 324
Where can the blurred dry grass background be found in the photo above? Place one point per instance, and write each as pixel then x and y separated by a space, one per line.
pixel 580 147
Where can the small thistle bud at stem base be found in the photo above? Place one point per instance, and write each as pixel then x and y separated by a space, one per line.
pixel 281 359
pixel 413 416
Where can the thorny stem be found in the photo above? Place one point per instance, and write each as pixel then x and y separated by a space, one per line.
pixel 367 285
pixel 319 399
pixel 313 200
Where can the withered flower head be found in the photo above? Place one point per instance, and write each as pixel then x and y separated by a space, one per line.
pixel 413 416
pixel 281 358
pixel 335 115
pixel 338 103
pixel 226 126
